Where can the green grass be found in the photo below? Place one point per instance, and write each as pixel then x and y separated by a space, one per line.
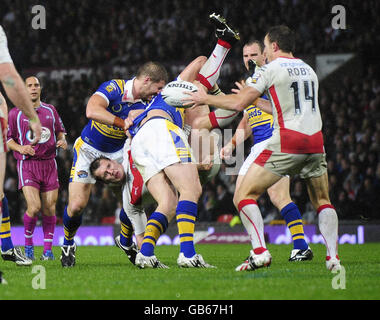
pixel 105 273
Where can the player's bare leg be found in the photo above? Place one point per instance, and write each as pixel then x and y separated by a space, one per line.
pixel 79 194
pixel 166 197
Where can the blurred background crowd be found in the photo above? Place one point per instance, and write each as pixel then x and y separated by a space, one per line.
pixel 110 39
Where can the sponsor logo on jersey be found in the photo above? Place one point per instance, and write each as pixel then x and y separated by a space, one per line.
pixel 45 135
pixel 82 174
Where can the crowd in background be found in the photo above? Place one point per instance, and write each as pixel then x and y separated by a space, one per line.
pixel 100 35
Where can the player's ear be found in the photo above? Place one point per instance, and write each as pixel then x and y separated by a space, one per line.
pixel 275 46
pixel 147 79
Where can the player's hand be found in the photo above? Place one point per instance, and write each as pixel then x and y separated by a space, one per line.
pixel 226 151
pixel 62 143
pixel 128 122
pixel 35 126
pixel 197 98
pixel 27 150
pixel 239 85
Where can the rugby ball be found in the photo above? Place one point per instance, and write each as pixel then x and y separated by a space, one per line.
pixel 175 92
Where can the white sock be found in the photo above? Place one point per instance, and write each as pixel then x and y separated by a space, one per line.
pixel 328 226
pixel 253 222
pixel 209 73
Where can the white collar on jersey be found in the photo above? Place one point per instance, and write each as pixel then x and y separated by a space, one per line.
pixel 128 92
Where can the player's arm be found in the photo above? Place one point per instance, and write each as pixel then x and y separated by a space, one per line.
pixel 237 102
pixel 4 108
pixel 16 92
pixel 25 150
pixel 97 110
pixel 61 140
pixel 264 105
pixel 237 138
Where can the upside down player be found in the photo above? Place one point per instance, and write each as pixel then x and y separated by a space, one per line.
pixel 258 123
pixel 190 73
pixel 104 135
pixel 296 146
pixel 164 169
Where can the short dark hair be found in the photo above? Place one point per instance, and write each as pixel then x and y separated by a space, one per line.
pixel 156 71
pixel 95 164
pixel 255 41
pixel 284 37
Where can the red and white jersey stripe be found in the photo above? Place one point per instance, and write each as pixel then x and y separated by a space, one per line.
pixel 292 86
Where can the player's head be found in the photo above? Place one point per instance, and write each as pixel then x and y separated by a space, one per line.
pixel 33 87
pixel 278 40
pixel 107 170
pixel 254 50
pixel 152 77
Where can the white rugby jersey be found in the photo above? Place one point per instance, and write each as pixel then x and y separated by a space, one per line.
pixel 4 52
pixel 292 87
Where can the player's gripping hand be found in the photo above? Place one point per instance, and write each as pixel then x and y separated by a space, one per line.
pixel 239 85
pixel 196 98
pixel 226 151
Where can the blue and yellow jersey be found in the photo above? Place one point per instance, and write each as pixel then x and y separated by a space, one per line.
pixel 107 138
pixel 260 122
pixel 177 115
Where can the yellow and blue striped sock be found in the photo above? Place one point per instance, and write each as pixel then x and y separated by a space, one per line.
pixel 70 227
pixel 293 219
pixel 186 215
pixel 126 231
pixel 155 227
pixel 5 229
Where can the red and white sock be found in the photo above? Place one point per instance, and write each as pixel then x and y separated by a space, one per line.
pixel 29 226
pixel 253 222
pixel 209 73
pixel 328 226
pixel 48 227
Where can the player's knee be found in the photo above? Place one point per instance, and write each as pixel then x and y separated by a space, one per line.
pixel 33 209
pixel 279 199
pixel 49 210
pixel 75 208
pixel 236 200
pixel 201 60
pixel 202 122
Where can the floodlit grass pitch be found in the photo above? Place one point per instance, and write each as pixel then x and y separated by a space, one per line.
pixel 106 273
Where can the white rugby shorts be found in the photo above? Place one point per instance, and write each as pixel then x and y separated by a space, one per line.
pixel 158 144
pixel 255 151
